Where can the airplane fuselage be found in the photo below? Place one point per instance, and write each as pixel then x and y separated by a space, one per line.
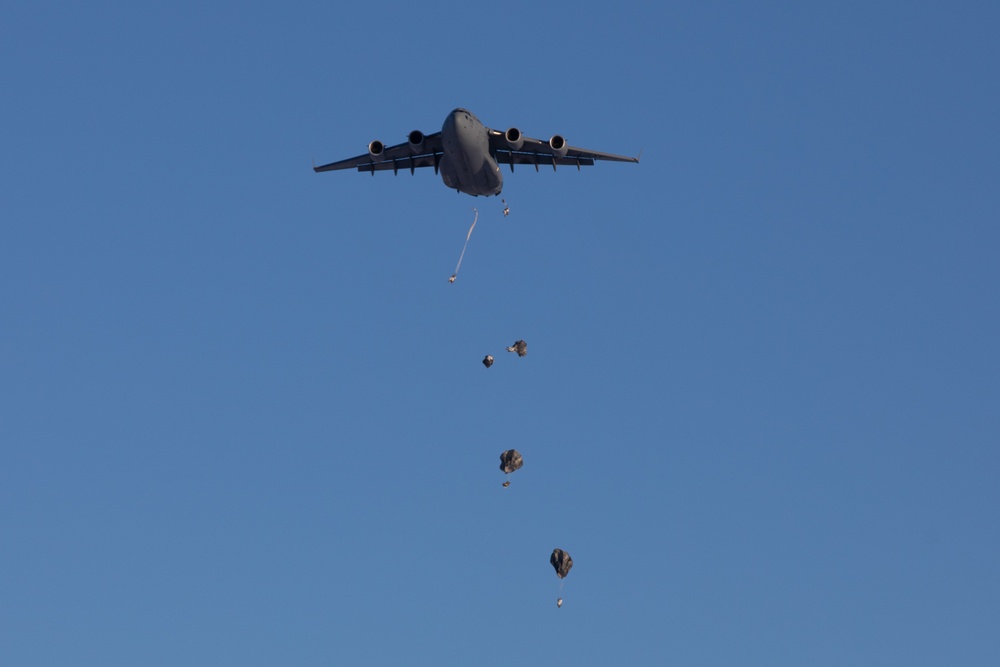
pixel 468 155
pixel 467 165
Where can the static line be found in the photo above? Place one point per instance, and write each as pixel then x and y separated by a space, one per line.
pixel 467 237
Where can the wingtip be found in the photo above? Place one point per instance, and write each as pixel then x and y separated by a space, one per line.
pixel 638 156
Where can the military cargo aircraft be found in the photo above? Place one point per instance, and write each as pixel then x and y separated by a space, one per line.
pixel 468 154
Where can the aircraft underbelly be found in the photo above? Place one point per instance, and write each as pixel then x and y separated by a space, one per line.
pixel 467 165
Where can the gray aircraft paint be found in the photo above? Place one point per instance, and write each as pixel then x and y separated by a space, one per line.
pixel 467 165
pixel 468 155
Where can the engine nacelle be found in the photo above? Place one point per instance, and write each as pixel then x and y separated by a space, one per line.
pixel 416 139
pixel 558 145
pixel 376 149
pixel 514 139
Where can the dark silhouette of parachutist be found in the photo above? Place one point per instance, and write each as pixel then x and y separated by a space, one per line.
pixel 520 347
pixel 506 209
pixel 488 361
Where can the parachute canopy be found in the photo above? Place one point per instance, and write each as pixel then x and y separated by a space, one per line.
pixel 561 562
pixel 520 347
pixel 510 461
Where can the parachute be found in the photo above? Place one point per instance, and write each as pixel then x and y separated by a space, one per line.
pixel 561 562
pixel 509 462
pixel 520 347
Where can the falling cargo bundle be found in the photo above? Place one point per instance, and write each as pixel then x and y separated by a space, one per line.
pixel 510 461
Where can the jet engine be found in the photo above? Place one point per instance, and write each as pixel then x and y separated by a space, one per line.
pixel 375 149
pixel 514 139
pixel 416 139
pixel 558 145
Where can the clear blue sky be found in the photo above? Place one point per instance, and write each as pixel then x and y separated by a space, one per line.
pixel 243 419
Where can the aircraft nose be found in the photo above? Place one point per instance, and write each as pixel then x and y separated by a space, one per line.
pixel 454 119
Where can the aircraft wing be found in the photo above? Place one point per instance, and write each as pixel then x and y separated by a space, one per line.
pixel 536 152
pixel 400 156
